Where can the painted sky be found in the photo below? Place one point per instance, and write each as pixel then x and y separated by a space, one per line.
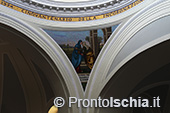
pixel 72 37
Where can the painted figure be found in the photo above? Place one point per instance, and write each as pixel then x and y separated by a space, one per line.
pixel 77 56
pixel 88 55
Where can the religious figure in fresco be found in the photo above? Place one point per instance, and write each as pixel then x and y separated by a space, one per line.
pixel 77 56
pixel 88 55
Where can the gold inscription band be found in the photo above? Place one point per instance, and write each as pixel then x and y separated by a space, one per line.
pixel 70 19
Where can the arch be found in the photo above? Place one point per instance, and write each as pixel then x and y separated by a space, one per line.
pixel 120 42
pixel 147 70
pixel 38 59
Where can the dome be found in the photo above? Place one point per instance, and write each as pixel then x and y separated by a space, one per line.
pixel 71 0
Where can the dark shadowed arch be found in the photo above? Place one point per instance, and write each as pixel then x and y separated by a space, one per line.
pixel 29 80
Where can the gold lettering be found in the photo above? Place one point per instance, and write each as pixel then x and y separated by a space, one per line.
pixel 53 18
pixel 94 18
pixel 30 13
pixel 63 19
pixel 23 10
pixel 126 8
pixel 11 6
pixel 88 18
pixel 82 19
pixel 104 16
pixel 68 19
pixel 4 3
pixel 123 10
pixel 49 17
pixel 79 18
pixel 116 12
pixel 136 3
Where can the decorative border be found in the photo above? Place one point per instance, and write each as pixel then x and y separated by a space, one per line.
pixel 70 19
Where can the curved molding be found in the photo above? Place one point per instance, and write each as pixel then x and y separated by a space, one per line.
pixel 117 42
pixel 143 70
pixel 73 6
pixel 82 25
pixel 84 3
pixel 71 16
pixel 52 50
